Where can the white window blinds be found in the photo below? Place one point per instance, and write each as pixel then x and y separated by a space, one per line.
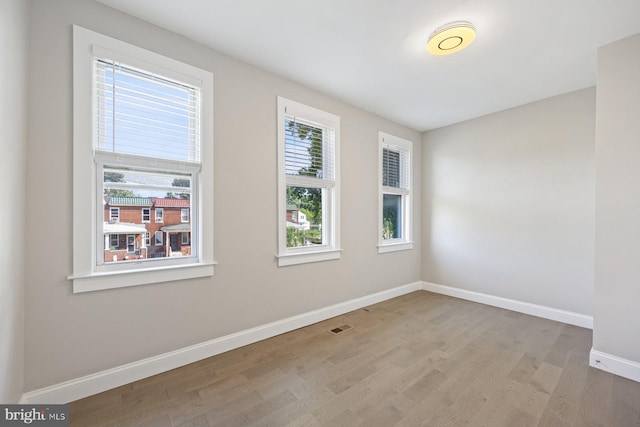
pixel 143 114
pixel 309 149
pixel 395 167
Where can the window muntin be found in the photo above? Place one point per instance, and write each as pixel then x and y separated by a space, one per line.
pixel 113 241
pixel 159 215
pixel 395 193
pixel 308 141
pixel 101 60
pixel 184 215
pixel 146 215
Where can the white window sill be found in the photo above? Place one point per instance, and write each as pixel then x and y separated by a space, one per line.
pixel 306 257
pixel 394 247
pixel 121 279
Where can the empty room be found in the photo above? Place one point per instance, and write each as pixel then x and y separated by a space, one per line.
pixel 300 212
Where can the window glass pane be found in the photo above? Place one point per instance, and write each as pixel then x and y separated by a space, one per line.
pixel 304 217
pixel 391 216
pixel 166 196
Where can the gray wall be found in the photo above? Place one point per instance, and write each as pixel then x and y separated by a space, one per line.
pixel 508 203
pixel 67 335
pixel 617 245
pixel 13 139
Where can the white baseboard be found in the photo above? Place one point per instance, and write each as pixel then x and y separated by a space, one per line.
pixel 522 307
pixel 78 388
pixel 615 365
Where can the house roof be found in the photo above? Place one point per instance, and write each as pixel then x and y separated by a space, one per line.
pixel 129 201
pixel 172 203
pixel 292 207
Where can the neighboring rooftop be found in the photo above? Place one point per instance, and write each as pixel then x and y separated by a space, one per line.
pixel 129 201
pixel 172 203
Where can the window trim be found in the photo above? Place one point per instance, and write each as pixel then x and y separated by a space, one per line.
pixel 161 212
pixel 406 242
pixel 182 220
pixel 85 276
pixel 331 209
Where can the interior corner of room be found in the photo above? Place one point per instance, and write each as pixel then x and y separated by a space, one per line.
pixel 533 208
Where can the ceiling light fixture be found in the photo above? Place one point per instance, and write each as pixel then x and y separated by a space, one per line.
pixel 451 37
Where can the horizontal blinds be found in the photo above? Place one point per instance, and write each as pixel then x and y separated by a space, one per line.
pixel 309 149
pixel 395 167
pixel 143 114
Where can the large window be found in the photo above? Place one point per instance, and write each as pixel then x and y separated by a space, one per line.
pixel 143 133
pixel 394 232
pixel 308 178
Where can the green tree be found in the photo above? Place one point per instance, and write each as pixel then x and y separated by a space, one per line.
pixel 180 182
pixel 116 192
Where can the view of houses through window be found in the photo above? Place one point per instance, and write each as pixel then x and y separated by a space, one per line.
pixel 141 204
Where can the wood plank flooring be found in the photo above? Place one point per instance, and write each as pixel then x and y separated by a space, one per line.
pixel 420 359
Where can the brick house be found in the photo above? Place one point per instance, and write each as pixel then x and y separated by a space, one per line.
pixel 146 227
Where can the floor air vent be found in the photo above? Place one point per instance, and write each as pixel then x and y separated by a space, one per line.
pixel 340 329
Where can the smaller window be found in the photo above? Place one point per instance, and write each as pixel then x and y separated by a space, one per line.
pixel 114 215
pixel 146 215
pixel 185 238
pixel 184 215
pixel 147 239
pixel 158 238
pixel 159 215
pixel 113 241
pixel 394 231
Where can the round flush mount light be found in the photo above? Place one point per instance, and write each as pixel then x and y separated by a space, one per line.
pixel 451 38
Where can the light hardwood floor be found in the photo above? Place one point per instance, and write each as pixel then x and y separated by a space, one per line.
pixel 420 359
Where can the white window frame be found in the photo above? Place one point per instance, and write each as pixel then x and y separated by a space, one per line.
pixel 331 199
pixel 182 210
pixel 148 215
pixel 159 219
pixel 147 239
pixel 87 274
pixel 405 147
pixel 117 237
pixel 185 239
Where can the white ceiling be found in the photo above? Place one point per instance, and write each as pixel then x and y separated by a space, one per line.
pixel 371 53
